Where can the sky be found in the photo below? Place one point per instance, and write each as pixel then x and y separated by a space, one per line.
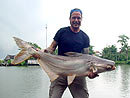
pixel 103 21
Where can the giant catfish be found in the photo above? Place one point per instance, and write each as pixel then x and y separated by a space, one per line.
pixel 75 64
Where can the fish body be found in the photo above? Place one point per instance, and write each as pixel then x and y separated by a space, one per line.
pixel 72 65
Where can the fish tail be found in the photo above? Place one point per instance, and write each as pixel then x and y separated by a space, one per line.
pixel 23 54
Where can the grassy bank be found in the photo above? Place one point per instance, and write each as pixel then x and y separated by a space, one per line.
pixel 123 62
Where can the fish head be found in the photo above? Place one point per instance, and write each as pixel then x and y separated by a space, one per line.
pixel 99 65
pixel 104 67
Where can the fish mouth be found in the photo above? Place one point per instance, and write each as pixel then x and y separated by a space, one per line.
pixel 110 67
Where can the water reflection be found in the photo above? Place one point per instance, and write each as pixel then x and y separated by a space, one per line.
pixel 125 81
pixel 23 82
pixel 32 82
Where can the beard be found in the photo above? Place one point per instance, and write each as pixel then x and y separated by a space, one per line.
pixel 75 25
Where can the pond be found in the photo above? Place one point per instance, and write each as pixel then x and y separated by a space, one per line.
pixel 33 82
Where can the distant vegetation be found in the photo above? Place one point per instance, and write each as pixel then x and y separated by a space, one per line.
pixel 1 61
pixel 120 57
pixel 34 45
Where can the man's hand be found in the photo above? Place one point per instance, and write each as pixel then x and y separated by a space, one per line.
pixel 37 56
pixel 92 75
pixel 51 48
pixel 48 50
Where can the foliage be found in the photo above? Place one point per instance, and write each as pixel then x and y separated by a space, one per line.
pixel 91 51
pixel 120 62
pixel 121 57
pixel 9 61
pixel 34 45
pixel 1 61
pixel 123 40
pixel 110 53
pixel 56 51
pixel 129 53
pixel 124 50
pixel 128 61
pixel 23 63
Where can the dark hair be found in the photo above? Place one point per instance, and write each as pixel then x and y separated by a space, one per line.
pixel 75 10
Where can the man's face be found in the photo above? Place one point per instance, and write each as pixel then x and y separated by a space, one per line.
pixel 75 20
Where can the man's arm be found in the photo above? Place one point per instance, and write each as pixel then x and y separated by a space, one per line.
pixel 51 48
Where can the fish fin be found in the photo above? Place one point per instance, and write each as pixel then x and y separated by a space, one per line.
pixel 23 54
pixel 20 57
pixel 93 69
pixel 53 76
pixel 21 44
pixel 73 54
pixel 70 79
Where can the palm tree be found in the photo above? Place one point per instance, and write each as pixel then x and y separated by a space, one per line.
pixel 123 40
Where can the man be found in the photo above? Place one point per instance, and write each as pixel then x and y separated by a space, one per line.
pixel 70 39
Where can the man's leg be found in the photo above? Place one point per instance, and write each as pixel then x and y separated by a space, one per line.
pixel 78 88
pixel 58 87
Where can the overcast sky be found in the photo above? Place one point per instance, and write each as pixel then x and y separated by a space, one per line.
pixel 103 21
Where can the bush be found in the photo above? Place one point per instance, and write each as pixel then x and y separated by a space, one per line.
pixel 1 61
pixel 120 62
pixel 9 61
pixel 128 61
pixel 23 63
pixel 56 52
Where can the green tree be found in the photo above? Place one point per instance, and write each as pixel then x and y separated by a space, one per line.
pixel 23 63
pixel 9 61
pixel 1 61
pixel 110 53
pixel 129 53
pixel 124 50
pixel 34 45
pixel 91 51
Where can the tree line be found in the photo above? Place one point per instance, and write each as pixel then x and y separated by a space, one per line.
pixel 121 56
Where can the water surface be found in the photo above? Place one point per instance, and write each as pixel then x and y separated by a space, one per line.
pixel 32 82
